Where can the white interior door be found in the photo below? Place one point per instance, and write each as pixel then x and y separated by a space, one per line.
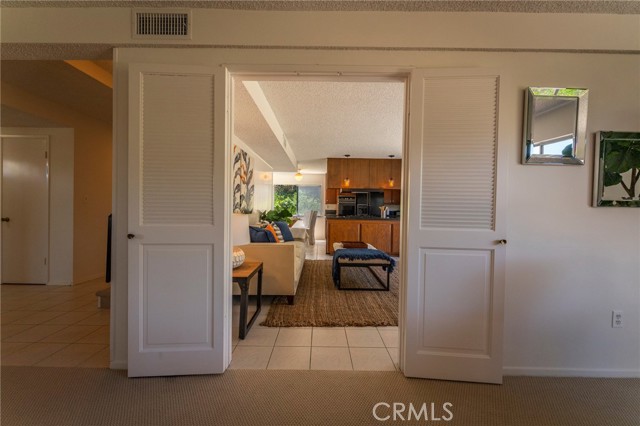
pixel 455 257
pixel 177 208
pixel 25 210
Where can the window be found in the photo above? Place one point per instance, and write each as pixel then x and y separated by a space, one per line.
pixel 298 198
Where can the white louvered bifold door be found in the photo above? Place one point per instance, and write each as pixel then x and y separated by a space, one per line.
pixel 176 220
pixel 455 215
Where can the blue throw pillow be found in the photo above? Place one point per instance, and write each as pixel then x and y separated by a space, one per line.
pixel 258 235
pixel 286 232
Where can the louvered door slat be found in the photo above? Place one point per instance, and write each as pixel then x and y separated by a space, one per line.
pixel 459 153
pixel 177 150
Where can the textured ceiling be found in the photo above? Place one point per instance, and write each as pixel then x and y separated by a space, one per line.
pixel 322 119
pixel 59 82
pixel 544 6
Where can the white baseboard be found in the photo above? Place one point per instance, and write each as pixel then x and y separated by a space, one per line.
pixel 118 365
pixel 570 372
pixel 88 278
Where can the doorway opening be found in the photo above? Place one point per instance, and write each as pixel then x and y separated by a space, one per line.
pixel 52 313
pixel 299 146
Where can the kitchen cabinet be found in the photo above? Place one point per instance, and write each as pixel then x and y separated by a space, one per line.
pixel 379 173
pixel 341 230
pixel 377 233
pixel 364 173
pixel 392 196
pixel 383 234
pixel 395 239
pixel 331 196
pixel 357 172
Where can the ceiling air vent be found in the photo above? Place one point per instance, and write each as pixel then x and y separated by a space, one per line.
pixel 168 24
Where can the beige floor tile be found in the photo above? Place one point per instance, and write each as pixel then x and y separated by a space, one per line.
pixel 100 336
pixel 294 336
pixel 98 360
pixel 364 337
pixel 91 307
pixel 389 337
pixel 259 337
pixel 35 333
pixel 290 358
pixel 71 334
pixel 250 357
pixel 69 318
pixel 44 305
pixel 71 355
pixel 394 353
pixel 10 347
pixel 11 330
pixel 9 317
pixel 323 358
pixel 99 318
pixel 32 354
pixel 371 359
pixel 38 317
pixel 329 336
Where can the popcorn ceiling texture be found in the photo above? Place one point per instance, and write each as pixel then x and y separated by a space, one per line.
pixel 544 6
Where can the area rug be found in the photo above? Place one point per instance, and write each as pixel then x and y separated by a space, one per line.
pixel 318 303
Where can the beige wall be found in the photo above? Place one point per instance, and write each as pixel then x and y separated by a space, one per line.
pixel 91 179
pixel 568 264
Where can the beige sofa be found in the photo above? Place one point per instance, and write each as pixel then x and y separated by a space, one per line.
pixel 282 267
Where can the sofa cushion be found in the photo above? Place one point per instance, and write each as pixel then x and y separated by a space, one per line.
pixel 278 232
pixel 260 235
pixel 299 249
pixel 286 232
pixel 270 230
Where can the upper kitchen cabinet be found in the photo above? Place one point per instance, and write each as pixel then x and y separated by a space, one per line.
pixel 357 173
pixel 396 173
pixel 363 173
pixel 379 173
pixel 335 168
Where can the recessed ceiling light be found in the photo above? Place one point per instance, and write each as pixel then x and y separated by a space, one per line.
pixel 391 156
pixel 347 155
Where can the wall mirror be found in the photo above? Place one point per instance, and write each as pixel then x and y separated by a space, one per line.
pixel 555 125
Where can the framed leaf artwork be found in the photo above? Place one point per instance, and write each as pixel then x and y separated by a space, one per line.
pixel 617 169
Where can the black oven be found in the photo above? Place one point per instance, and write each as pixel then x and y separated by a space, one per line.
pixel 346 204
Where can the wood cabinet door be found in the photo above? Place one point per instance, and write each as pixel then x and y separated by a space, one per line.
pixel 379 173
pixel 341 230
pixel 334 172
pixel 395 238
pixel 358 172
pixel 331 196
pixel 396 173
pixel 378 234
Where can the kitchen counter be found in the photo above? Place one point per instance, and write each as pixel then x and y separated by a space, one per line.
pixel 360 217
pixel 383 234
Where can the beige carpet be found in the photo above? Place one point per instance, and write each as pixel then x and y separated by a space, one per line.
pixel 319 303
pixel 73 396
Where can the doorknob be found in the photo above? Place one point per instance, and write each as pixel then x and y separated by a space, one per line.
pixel 502 242
pixel 131 236
pixel 5 219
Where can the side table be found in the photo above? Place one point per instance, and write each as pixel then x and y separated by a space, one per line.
pixel 242 275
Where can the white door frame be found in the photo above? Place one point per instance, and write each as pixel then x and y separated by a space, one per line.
pixel 336 73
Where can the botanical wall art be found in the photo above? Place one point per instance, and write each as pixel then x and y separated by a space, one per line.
pixel 617 169
pixel 243 185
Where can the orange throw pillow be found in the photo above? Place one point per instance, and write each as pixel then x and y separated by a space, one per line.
pixel 273 231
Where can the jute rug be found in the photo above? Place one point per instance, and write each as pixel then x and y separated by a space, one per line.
pixel 319 303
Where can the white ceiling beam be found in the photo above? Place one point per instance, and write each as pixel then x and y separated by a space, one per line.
pixel 256 93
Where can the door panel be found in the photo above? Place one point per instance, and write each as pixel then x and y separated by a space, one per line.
pixel 25 210
pixel 455 203
pixel 177 268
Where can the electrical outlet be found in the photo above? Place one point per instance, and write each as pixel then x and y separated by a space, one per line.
pixel 617 320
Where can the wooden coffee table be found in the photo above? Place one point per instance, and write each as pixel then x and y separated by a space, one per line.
pixel 242 275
